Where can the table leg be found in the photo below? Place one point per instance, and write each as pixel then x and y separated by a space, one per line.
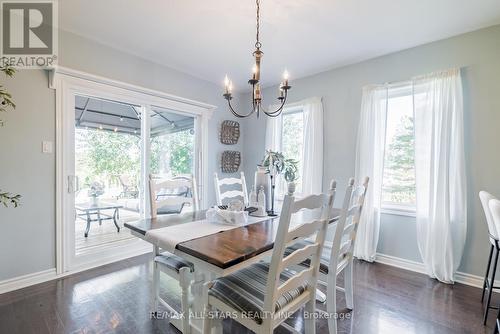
pixel 115 216
pixel 88 225
pixel 197 308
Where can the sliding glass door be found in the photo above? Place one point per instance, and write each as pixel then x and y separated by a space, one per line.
pixel 107 170
pixel 114 146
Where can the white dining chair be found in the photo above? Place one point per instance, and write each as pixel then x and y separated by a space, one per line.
pixel 172 193
pixel 488 282
pixel 169 196
pixel 339 254
pixel 262 295
pixel 230 182
pixel 494 208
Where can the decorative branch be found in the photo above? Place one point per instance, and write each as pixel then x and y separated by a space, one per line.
pixel 6 103
pixel 9 199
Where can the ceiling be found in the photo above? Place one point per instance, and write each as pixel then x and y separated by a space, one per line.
pixel 209 38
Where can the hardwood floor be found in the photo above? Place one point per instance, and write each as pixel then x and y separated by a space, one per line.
pixel 115 298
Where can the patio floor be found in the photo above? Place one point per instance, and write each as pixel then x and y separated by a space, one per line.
pixel 104 234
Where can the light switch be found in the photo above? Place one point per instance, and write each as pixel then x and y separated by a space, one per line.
pixel 46 146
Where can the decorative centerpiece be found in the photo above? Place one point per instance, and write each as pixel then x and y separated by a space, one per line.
pixel 96 190
pixel 276 164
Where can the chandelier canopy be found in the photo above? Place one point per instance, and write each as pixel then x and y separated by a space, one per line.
pixel 255 82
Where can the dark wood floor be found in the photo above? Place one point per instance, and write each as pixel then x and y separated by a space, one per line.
pixel 115 298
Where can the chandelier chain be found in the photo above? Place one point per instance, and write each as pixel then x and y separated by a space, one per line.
pixel 257 43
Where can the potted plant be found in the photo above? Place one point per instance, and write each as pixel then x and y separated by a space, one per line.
pixel 291 173
pixel 276 164
pixel 96 190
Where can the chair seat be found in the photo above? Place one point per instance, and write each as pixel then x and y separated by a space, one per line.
pixel 173 262
pixel 325 259
pixel 244 290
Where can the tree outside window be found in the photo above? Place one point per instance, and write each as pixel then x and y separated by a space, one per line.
pixel 398 187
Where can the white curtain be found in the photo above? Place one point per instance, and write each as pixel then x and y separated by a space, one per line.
pixel 440 172
pixel 312 155
pixel 370 162
pixel 273 132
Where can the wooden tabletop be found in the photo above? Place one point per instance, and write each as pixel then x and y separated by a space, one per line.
pixel 223 249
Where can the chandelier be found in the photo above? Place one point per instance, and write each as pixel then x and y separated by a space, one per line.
pixel 255 83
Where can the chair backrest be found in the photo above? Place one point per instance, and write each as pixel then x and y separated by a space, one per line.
pixel 347 226
pixel 494 206
pixel 485 198
pixel 286 237
pixel 172 192
pixel 228 194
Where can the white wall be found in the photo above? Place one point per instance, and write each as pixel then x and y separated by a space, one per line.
pixel 478 54
pixel 27 240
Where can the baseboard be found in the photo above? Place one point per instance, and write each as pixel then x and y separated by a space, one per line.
pixel 460 277
pixel 23 281
pixel 401 263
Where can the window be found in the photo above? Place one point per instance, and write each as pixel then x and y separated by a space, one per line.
pixel 398 186
pixel 172 143
pixel 292 142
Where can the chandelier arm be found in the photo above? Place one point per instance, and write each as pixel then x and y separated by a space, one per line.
pixel 275 113
pixel 278 111
pixel 235 113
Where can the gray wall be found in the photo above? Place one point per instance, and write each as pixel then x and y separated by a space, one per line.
pixel 478 54
pixel 27 241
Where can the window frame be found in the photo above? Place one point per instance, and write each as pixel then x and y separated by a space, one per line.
pixel 394 91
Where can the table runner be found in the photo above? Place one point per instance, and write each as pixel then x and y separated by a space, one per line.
pixel 169 237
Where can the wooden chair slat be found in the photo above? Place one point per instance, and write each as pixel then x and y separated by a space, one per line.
pixel 304 230
pixel 310 202
pixel 173 201
pixel 299 255
pixel 220 195
pixel 296 281
pixel 232 194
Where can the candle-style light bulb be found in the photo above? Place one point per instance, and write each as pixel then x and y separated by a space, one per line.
pixel 230 87
pixel 254 71
pixel 285 77
pixel 227 84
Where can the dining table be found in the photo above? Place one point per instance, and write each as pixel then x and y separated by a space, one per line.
pixel 221 253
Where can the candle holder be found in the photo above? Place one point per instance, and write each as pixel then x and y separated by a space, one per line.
pixel 271 212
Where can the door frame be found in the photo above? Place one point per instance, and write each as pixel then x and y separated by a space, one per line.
pixel 68 83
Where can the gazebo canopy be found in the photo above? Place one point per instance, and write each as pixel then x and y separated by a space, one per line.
pixel 92 113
